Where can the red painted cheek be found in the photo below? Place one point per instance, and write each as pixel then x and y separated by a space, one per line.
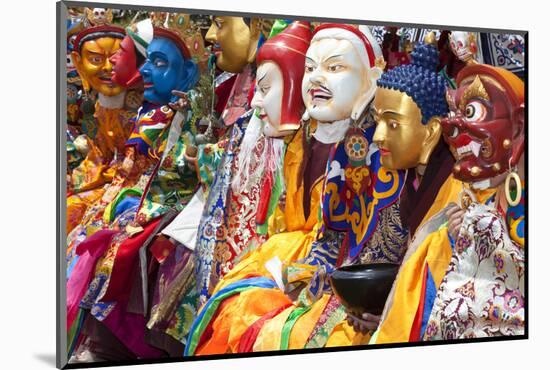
pixel 446 125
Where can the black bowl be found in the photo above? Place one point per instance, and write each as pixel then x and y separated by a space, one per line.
pixel 364 288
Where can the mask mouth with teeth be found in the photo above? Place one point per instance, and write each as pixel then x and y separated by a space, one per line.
pixel 340 72
pixel 463 45
pixel 485 126
pixel 319 95
pixel 93 49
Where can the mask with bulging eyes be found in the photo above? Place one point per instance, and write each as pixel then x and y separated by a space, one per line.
pixel 463 45
pixel 99 15
pixel 485 126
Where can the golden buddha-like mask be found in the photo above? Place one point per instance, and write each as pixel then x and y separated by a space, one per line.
pixel 404 141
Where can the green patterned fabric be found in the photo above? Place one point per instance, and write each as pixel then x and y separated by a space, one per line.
pixel 174 183
pixel 184 316
pixel 334 314
pixel 208 159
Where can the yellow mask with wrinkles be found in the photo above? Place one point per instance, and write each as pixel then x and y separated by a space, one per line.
pixel 94 67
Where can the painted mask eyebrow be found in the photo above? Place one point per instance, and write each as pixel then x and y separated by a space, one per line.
pixel 157 55
pixel 95 53
pixel 94 48
pixel 381 111
pixel 262 78
pixel 332 57
pixel 309 60
pixel 392 113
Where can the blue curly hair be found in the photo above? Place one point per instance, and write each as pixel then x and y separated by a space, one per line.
pixel 420 81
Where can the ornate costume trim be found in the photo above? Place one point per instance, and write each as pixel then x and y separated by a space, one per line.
pixel 354 194
pixel 332 315
pixel 482 293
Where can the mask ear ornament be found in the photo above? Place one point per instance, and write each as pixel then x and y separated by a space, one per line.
pixel 508 189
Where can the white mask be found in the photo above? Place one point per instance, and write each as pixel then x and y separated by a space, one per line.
pixel 99 15
pixel 336 81
pixel 461 44
pixel 268 96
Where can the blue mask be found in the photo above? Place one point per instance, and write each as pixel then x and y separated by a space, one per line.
pixel 165 70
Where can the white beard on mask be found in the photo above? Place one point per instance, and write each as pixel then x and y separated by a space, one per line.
pixel 249 171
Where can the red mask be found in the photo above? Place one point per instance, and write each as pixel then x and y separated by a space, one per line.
pixel 485 126
pixel 125 69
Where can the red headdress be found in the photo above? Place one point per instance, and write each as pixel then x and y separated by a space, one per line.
pixel 369 48
pixel 97 32
pixel 288 51
pixel 163 32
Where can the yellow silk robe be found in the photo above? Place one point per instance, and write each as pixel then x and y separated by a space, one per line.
pixel 237 314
